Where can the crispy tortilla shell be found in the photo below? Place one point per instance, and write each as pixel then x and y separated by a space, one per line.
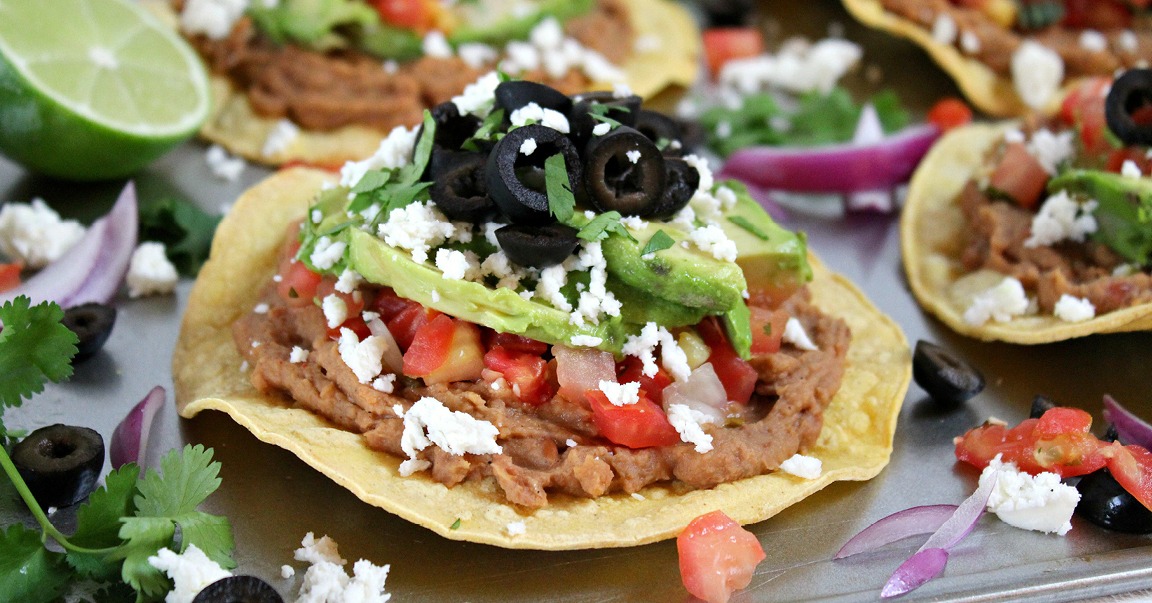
pixel 932 238
pixel 671 64
pixel 855 443
pixel 992 93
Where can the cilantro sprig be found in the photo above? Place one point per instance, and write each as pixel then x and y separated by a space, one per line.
pixel 185 229
pixel 35 347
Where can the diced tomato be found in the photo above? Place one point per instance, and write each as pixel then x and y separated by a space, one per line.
pixel 10 276
pixel 404 325
pixel 738 377
pixel 1019 176
pixel 1096 14
pixel 717 556
pixel 409 14
pixel 514 342
pixel 722 44
pixel 387 304
pixel 297 284
pixel 1137 156
pixel 632 369
pixel 444 350
pixel 528 374
pixel 1059 442
pixel 767 329
pixel 638 425
pixel 949 113
pixel 1084 109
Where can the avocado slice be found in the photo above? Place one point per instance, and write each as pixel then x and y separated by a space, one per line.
pixel 1124 213
pixel 497 22
pixel 774 260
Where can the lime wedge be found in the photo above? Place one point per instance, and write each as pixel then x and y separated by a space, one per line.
pixel 94 89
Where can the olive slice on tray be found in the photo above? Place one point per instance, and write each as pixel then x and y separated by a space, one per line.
pixel 945 376
pixel 515 94
pixel 1106 503
pixel 660 128
pixel 624 172
pixel 238 589
pixel 537 246
pixel 452 129
pixel 60 463
pixel 516 179
pixel 680 182
pixel 1128 107
pixel 460 188
pixel 92 323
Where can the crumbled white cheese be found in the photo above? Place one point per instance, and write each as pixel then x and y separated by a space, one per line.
pixel 385 383
pixel 944 29
pixel 1037 72
pixel 287 571
pixel 435 44
pixel 687 422
pixel 643 346
pixel 34 234
pixel 479 96
pixel 335 310
pixel 477 55
pixel 283 134
pixel 416 227
pixel 795 334
pixel 261 308
pixel 713 240
pixel 1039 502
pixel 326 581
pixel 326 252
pixel 1050 149
pixel 428 422
pixel 457 265
pixel 534 113
pixel 222 165
pixel 620 394
pixel 349 280
pixel 1000 303
pixel 363 357
pixel 297 355
pixel 394 151
pixel 1128 41
pixel 1060 218
pixel 1130 170
pixel 807 467
pixel 633 156
pixel 189 571
pixel 516 528
pixel 969 42
pixel 589 341
pixel 1093 41
pixel 1073 309
pixel 528 146
pixel 798 67
pixel 213 18
pixel 150 272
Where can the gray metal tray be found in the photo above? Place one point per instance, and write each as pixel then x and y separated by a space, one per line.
pixel 273 499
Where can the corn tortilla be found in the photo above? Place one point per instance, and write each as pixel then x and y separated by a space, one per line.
pixel 670 65
pixel 932 232
pixel 855 443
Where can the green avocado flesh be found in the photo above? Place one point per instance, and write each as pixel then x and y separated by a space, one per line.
pixel 500 21
pixel 1124 213
pixel 673 287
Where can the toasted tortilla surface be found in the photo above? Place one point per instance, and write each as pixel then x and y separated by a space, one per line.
pixel 855 444
pixel 932 238
pixel 671 64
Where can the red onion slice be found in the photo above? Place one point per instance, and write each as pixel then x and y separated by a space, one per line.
pixel 1131 428
pixel 918 569
pixel 93 269
pixel 897 526
pixel 130 439
pixel 841 168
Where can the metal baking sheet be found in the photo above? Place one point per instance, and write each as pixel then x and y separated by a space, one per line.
pixel 273 499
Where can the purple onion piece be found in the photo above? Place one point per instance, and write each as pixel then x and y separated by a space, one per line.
pixel 130 439
pixel 93 269
pixel 918 569
pixel 1131 428
pixel 897 526
pixel 964 519
pixel 841 168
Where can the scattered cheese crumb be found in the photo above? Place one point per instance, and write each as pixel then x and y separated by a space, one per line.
pixel 1060 218
pixel 687 421
pixel 807 467
pixel 34 234
pixel 1037 72
pixel 528 146
pixel 428 422
pixel 633 156
pixel 326 580
pixel 1073 309
pixel 150 272
pixel 1000 303
pixel 516 528
pixel 326 252
pixel 260 308
pixel 189 571
pixel 222 165
pixel 1039 502
pixel 589 341
pixel 795 334
pixel 283 134
pixel 335 310
pixel 620 394
pixel 213 18
pixel 298 355
pixel 287 571
pixel 601 129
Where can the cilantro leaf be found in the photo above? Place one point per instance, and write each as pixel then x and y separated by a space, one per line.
pixel 187 481
pixel 29 572
pixel 603 225
pixel 185 229
pixel 412 172
pixel 561 201
pixel 144 536
pixel 486 131
pixel 744 223
pixel 373 180
pixel 34 348
pixel 659 242
pixel 98 522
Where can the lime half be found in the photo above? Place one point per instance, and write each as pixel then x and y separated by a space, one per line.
pixel 94 89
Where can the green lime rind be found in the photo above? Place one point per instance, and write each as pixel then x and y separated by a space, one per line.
pixel 97 96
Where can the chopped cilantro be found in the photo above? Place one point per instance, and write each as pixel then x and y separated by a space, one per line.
pixel 185 230
pixel 455 524
pixel 561 202
pixel 603 225
pixel 486 131
pixel 605 119
pixel 743 222
pixel 34 348
pixel 659 242
pixel 768 328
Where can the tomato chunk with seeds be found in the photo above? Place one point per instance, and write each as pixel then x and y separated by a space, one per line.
pixel 767 329
pixel 639 425
pixel 632 369
pixel 527 374
pixel 10 276
pixel 738 377
pixel 444 350
pixel 1019 176
pixel 717 556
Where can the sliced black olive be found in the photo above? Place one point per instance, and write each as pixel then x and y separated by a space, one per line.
pixel 680 182
pixel 1110 434
pixel 660 129
pixel 1106 503
pixel 537 246
pixel 624 172
pixel 944 375
pixel 516 180
pixel 1039 14
pixel 1130 95
pixel 60 463
pixel 460 187
pixel 1040 405
pixel 515 94
pixel 452 129
pixel 587 108
pixel 92 323
pixel 238 589
pixel 726 13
